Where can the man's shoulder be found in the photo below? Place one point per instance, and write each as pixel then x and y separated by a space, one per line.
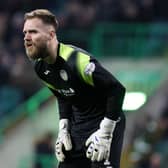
pixel 38 64
pixel 81 63
pixel 67 50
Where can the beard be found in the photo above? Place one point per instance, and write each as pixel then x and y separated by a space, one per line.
pixel 35 52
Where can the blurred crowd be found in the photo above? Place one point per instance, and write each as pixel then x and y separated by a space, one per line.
pixel 44 151
pixel 150 143
pixel 18 81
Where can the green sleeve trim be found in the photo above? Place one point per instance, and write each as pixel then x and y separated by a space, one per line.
pixel 82 61
pixel 49 85
pixel 65 51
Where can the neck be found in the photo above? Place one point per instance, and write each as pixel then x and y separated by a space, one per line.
pixel 52 53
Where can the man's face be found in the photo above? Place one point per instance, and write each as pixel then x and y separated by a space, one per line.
pixel 36 38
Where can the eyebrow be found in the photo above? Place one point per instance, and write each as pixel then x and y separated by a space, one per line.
pixel 30 30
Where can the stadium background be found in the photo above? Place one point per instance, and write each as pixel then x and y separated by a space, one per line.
pixel 128 36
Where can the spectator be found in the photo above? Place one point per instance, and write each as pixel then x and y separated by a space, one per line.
pixel 44 149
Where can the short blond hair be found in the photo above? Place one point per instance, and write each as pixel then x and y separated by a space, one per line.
pixel 45 15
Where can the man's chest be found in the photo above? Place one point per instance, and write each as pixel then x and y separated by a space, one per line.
pixel 60 79
pixel 64 80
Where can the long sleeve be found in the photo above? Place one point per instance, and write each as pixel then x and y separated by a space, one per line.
pixel 65 108
pixel 113 89
pixel 94 74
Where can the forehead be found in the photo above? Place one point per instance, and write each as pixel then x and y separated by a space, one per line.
pixel 34 23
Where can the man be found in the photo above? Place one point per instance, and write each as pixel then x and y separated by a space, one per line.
pixel 92 123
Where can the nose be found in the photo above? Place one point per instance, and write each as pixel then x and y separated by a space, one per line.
pixel 27 37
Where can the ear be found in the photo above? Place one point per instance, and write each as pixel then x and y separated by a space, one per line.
pixel 51 35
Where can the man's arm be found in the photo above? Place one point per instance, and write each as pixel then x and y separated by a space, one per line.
pixel 100 141
pixel 94 74
pixel 65 108
pixel 103 81
pixel 112 88
pixel 63 139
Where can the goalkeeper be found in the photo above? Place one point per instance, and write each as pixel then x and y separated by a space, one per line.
pixel 92 124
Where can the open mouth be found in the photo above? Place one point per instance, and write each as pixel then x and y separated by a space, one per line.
pixel 28 45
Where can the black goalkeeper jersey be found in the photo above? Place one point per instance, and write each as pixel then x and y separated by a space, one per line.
pixel 86 92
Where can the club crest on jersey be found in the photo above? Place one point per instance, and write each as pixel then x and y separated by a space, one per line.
pixel 89 69
pixel 63 74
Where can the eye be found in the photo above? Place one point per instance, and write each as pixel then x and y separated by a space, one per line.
pixel 24 32
pixel 33 31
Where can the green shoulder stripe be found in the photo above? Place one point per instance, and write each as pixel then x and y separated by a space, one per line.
pixel 65 51
pixel 49 85
pixel 82 61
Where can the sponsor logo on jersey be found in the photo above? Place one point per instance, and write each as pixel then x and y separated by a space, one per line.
pixel 89 69
pixel 63 74
pixel 67 92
